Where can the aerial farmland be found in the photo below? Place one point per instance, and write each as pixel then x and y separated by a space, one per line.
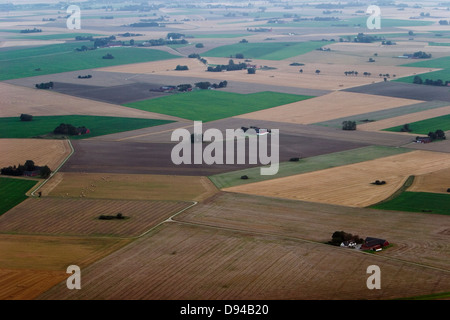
pixel 136 138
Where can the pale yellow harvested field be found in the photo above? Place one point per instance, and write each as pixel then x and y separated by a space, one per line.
pixel 17 43
pixel 41 151
pixel 159 66
pixel 351 185
pixel 401 120
pixel 16 100
pixel 54 253
pixel 331 77
pixel 130 187
pixel 331 106
pixel 437 182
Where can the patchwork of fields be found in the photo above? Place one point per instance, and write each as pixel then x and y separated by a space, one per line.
pixel 141 227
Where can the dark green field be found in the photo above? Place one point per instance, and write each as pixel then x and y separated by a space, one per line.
pixel 58 58
pixel 13 192
pixel 41 126
pixel 418 202
pixel 426 126
pixel 209 105
pixel 439 63
pixel 266 51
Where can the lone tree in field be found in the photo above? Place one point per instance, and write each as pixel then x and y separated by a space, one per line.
pixel 251 70
pixel 317 71
pixel 26 117
pixel 108 56
pixel 349 125
pixel 405 128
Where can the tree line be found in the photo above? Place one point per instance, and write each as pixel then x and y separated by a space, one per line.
pixel 21 169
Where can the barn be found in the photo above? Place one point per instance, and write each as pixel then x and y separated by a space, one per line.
pixel 374 243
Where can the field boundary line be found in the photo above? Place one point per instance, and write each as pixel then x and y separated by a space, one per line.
pixel 169 219
pixel 56 170
pixel 151 133
pixel 278 235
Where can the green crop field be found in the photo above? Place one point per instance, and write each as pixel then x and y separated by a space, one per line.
pixel 13 192
pixel 231 179
pixel 41 126
pixel 209 105
pixel 426 126
pixel 267 51
pixel 418 202
pixel 57 58
pixel 439 44
pixel 439 63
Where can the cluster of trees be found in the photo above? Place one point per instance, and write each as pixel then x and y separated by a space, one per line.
pixel 84 48
pixel 199 45
pixel 68 129
pixel 44 85
pixel 102 42
pixel 206 85
pixel 18 171
pixel 143 24
pixel 108 56
pixel 443 22
pixel 128 34
pixel 259 29
pixel 418 55
pixel 388 43
pixel 340 236
pixel 363 38
pixel 85 77
pixel 181 68
pixel 34 30
pixel 437 135
pixel 349 125
pixel 351 73
pixel 118 216
pixel 26 117
pixel 175 35
pixel 84 38
pixel 251 70
pixel 405 128
pixel 197 56
pixel 163 42
pixel 430 82
pixel 230 67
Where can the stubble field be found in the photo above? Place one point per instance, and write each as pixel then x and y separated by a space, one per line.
pixel 47 216
pixel 42 152
pixel 350 185
pixel 222 264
